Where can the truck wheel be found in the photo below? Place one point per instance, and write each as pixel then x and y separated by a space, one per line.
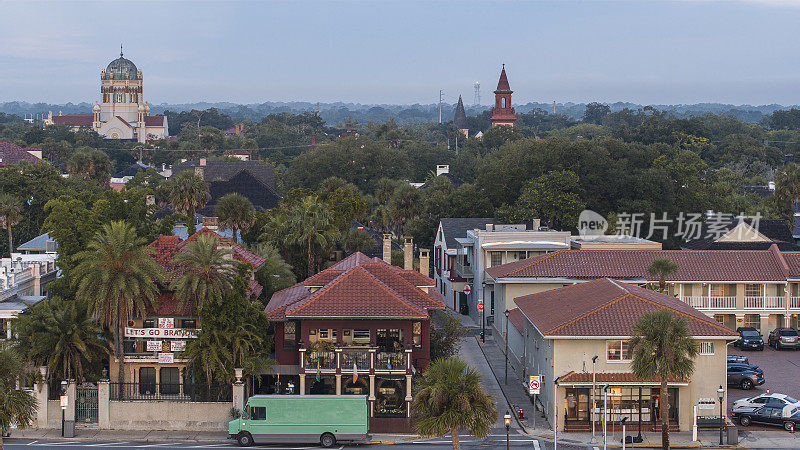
pixel 327 440
pixel 788 426
pixel 744 421
pixel 747 384
pixel 244 439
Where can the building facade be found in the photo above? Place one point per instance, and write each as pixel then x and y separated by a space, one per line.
pixel 122 112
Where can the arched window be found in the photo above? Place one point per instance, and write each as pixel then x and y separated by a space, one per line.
pixel 503 102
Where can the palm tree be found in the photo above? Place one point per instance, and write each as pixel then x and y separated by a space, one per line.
pixel 187 193
pixel 209 272
pixel 10 215
pixel 116 276
pixel 358 240
pixel 235 212
pixel 61 335
pixel 451 398
pixel 17 406
pixel 311 224
pixel 211 352
pixel 275 274
pixel 662 268
pixel 663 348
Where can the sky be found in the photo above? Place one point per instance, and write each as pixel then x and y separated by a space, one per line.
pixel 404 52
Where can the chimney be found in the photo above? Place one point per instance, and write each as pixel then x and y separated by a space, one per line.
pixel 442 169
pixel 408 253
pixel 212 223
pixel 387 248
pixel 199 172
pixel 202 161
pixel 536 224
pixel 424 259
pixel 150 200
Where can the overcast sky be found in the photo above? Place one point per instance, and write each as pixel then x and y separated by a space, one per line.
pixel 403 52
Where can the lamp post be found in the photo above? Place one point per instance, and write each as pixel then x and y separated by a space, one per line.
pixel 721 395
pixel 507 418
pixel 506 312
pixel 594 388
pixel 63 401
pixel 483 313
pixel 605 419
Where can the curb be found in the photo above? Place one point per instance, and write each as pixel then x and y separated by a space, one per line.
pixel 412 438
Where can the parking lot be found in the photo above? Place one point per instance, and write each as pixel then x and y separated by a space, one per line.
pixel 781 372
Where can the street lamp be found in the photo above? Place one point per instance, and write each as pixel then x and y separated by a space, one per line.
pixel 63 401
pixel 507 418
pixel 605 419
pixel 721 395
pixel 594 388
pixel 506 312
pixel 483 313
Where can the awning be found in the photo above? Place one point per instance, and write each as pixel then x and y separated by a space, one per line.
pixel 613 379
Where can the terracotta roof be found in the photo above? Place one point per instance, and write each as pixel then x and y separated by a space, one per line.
pixel 517 319
pixel 693 265
pixel 606 307
pixel 75 121
pixel 357 286
pixel 502 84
pixel 168 306
pixel 154 121
pixel 11 154
pixel 610 378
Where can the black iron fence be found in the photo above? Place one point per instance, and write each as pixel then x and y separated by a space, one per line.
pixel 185 392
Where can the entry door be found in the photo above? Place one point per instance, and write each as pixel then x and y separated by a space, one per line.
pixel 463 305
pixel 577 404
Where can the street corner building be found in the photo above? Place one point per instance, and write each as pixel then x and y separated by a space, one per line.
pixel 360 327
pixel 563 329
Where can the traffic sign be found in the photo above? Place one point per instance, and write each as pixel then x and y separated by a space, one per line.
pixel 467 289
pixel 480 305
pixel 534 384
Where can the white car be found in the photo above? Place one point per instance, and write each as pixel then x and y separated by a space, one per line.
pixel 790 404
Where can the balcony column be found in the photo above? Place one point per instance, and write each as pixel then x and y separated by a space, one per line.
pixel 371 398
pixel 302 384
pixel 338 384
pixel 408 395
pixel 740 297
pixel 338 351
pixel 302 374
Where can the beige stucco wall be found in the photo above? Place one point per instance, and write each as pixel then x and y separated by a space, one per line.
pixel 53 414
pixel 185 416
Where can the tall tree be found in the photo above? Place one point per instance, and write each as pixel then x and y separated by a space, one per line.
pixel 595 112
pixel 787 184
pixel 235 212
pixel 209 271
pixel 450 398
pixel 116 276
pixel 187 193
pixel 663 348
pixel 10 216
pixel 91 164
pixel 275 274
pixel 662 268
pixel 311 225
pixel 61 335
pixel 17 406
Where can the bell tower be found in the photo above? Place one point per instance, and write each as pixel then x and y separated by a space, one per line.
pixel 503 113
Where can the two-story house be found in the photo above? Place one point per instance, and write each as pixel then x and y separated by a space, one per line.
pixel 360 327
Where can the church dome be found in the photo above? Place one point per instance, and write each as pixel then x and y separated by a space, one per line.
pixel 117 69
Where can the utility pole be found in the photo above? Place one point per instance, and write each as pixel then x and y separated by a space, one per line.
pixel 554 107
pixel 441 94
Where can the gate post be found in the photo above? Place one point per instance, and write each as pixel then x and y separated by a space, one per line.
pixel 104 405
pixel 42 394
pixel 238 392
pixel 69 413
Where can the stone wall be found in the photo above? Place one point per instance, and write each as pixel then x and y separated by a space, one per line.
pixel 168 415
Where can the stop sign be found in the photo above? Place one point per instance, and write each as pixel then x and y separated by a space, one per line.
pixel 467 289
pixel 480 306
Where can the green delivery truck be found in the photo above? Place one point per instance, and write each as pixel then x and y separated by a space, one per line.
pixel 327 419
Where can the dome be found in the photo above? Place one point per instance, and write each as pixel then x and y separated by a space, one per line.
pixel 117 68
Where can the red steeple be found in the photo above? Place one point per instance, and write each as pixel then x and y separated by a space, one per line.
pixel 503 113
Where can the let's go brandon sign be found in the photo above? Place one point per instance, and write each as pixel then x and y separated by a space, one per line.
pixel 161 333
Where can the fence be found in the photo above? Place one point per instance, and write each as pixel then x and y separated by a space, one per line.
pixel 185 392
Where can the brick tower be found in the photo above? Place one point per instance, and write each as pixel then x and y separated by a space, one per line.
pixel 503 113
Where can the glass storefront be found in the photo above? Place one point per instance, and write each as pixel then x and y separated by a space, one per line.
pixel 635 403
pixel 390 396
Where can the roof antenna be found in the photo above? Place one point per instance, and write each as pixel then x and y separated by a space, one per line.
pixel 120 50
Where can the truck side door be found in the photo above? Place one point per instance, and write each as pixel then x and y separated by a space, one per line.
pixel 258 422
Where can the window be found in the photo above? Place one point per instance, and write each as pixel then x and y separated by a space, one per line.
pixel 416 335
pixel 618 350
pixel 258 413
pixel 720 318
pixel 752 320
pixel 189 323
pixel 149 323
pixel 496 258
pixel 361 337
pixel 706 348
pixel 718 290
pixel 289 335
pixel 170 380
pixel 753 290
pixel 503 102
pixel 147 380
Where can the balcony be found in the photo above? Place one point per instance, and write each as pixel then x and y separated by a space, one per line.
pixel 463 270
pixel 390 361
pixel 765 303
pixel 794 302
pixel 321 359
pixel 711 303
pixel 357 357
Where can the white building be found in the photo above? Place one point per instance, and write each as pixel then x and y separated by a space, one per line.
pixel 122 112
pixel 23 283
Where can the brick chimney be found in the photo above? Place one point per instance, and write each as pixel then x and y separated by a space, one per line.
pixel 387 248
pixel 424 261
pixel 408 253
pixel 202 161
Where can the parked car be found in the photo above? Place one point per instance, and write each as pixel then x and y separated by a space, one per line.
pixel 769 415
pixel 749 339
pixel 737 359
pixel 789 404
pixel 781 338
pixel 745 376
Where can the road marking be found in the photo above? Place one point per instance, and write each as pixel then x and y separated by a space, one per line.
pixel 595 448
pixel 106 444
pixel 536 444
pixel 32 442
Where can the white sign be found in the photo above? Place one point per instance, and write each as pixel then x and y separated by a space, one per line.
pixel 63 401
pixel 166 358
pixel 166 322
pixel 706 403
pixel 161 333
pixel 534 383
pixel 467 289
pixel 177 346
pixel 154 346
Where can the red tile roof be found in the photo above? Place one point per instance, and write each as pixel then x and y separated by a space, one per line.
pixel 11 154
pixel 693 265
pixel 606 307
pixel 154 121
pixel 75 121
pixel 517 319
pixel 357 286
pixel 612 378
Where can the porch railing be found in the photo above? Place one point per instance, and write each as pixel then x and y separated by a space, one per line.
pixel 358 357
pixel 794 302
pixel 390 361
pixel 765 302
pixel 711 302
pixel 322 359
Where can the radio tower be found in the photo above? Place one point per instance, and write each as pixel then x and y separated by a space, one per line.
pixel 477 100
